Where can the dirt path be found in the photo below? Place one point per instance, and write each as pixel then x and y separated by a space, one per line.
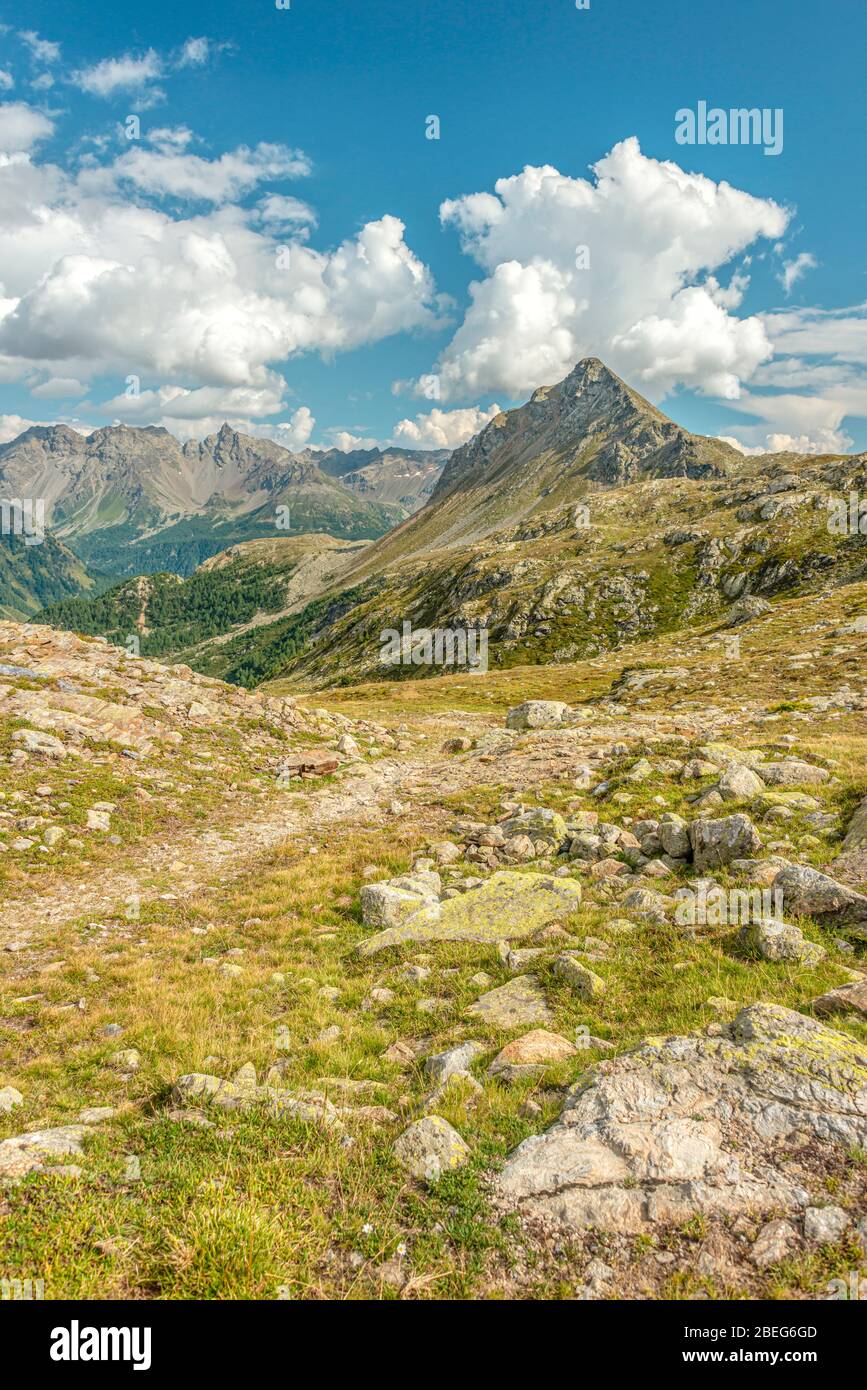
pixel 195 857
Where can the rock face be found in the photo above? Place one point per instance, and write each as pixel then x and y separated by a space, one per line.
pixel 507 906
pixel 690 1125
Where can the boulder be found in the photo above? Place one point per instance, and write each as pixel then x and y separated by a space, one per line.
pixel 716 842
pixel 505 907
pixel 845 999
pixel 537 714
pixel 780 941
pixel 673 835
pixel 538 823
pixel 530 1054
pixel 808 893
pixel 739 783
pixel 442 1065
pixel 690 1124
pixel 520 1002
pixel 793 772
pixel 430 1147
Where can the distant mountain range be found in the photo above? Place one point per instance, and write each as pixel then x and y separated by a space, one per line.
pixel 576 522
pixel 132 501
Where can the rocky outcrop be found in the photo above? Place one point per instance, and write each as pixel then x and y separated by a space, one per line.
pixel 693 1125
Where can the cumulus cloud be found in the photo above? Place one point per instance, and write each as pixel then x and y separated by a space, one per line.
pixel 97 285
pixel 7 81
pixel 347 442
pixel 278 210
pixel 624 267
pixel 22 127
pixel 112 75
pixel 443 429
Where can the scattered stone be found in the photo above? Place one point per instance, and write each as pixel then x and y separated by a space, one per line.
pixel 520 1002
pixel 825 1224
pixel 9 1098
pixel 430 1147
pixel 530 1054
pixel 774 1242
pixel 570 968
pixel 780 941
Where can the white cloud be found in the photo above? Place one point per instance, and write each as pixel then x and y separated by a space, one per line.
pixel 7 81
pixel 58 387
pixel 279 210
pixel 793 270
pixel 42 50
pixel 194 53
pixel 180 403
pixel 347 442
pixel 119 74
pixel 171 138
pixel 22 126
pixel 443 429
pixel 13 425
pixel 166 172
pixel 623 267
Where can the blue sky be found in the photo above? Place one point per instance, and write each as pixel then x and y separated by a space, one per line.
pixel 281 244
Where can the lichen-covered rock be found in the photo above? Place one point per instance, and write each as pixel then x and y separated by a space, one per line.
pixel 539 823
pixel 716 842
pixel 808 893
pixel 507 906
pixel 399 900
pixel 780 941
pixel 442 1065
pixel 851 863
pixel 26 1153
pixel 521 1001
pixel 739 783
pixel 430 1147
pixel 9 1098
pixel 690 1124
pixel 569 967
pixel 673 833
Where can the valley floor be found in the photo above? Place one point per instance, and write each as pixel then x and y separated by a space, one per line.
pixel 210 929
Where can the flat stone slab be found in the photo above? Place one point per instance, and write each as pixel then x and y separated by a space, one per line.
pixel 520 1002
pixel 506 907
pixel 692 1124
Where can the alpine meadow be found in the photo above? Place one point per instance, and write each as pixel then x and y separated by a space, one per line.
pixel 433 696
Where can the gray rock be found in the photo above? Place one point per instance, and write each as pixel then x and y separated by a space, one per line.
pixel 658 1134
pixel 673 835
pixel 739 783
pixel 826 1224
pixel 521 1001
pixel 442 1065
pixel 9 1098
pixel 780 941
pixel 807 892
pixel 537 714
pixel 429 1148
pixel 774 1242
pixel 716 842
